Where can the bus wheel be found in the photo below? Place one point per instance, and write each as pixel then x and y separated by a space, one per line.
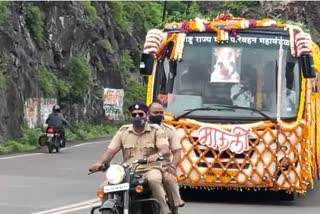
pixel 287 196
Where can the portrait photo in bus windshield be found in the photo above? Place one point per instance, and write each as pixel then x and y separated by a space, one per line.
pixel 226 64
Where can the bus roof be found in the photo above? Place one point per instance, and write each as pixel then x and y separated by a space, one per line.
pixel 223 22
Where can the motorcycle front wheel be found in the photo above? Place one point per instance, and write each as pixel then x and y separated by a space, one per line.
pixel 110 211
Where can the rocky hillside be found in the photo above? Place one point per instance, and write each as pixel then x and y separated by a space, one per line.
pixel 46 51
pixel 71 51
pixel 305 12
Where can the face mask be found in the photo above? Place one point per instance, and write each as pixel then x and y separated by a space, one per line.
pixel 138 121
pixel 157 119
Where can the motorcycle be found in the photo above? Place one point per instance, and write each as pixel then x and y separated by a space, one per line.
pixel 126 191
pixel 52 139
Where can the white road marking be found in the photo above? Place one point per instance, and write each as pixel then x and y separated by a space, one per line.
pixel 77 208
pixel 20 156
pixel 70 147
pixel 71 207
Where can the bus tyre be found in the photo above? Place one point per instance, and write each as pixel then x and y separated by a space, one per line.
pixel 285 196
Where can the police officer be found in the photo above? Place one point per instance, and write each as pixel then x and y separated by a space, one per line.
pixel 169 177
pixel 137 141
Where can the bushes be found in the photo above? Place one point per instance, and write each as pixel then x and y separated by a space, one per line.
pixel 35 22
pixel 47 80
pixel 79 73
pixel 4 12
pixel 105 44
pixel 79 79
pixel 134 90
pixel 126 14
pixel 50 85
pixel 89 131
pixel 28 142
pixel 88 9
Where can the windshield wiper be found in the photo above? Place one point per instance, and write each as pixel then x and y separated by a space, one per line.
pixel 197 109
pixel 245 108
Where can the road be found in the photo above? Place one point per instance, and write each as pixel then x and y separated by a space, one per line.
pixel 42 183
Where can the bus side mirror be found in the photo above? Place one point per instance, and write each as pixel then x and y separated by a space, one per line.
pixel 146 64
pixel 307 66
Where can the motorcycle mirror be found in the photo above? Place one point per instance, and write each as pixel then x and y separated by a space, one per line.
pixel 146 64
pixel 307 66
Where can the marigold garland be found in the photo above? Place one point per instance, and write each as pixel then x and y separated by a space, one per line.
pixel 308 112
pixel 313 133
pixel 225 26
pixel 172 37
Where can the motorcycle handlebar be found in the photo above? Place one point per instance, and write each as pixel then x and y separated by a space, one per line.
pixel 145 160
pixel 103 168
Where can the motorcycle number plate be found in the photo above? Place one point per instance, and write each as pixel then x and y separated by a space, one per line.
pixel 116 188
pixel 50 135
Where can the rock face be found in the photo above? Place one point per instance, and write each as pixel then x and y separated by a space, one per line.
pixel 68 30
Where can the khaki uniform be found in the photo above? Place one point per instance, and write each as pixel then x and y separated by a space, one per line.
pixel 141 145
pixel 170 182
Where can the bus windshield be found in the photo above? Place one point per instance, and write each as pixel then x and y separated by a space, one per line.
pixel 242 72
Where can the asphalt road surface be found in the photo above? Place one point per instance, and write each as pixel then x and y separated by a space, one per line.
pixel 42 183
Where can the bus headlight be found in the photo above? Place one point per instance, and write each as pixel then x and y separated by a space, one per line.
pixel 115 174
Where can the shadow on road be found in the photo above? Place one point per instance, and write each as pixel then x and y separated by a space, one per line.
pixel 232 196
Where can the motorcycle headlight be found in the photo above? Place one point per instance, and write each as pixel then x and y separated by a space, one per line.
pixel 115 174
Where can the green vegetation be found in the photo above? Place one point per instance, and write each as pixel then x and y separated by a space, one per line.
pixel 50 85
pixel 119 14
pixel 79 79
pixel 234 7
pixel 13 146
pixel 127 14
pixel 29 141
pixel 89 131
pixel 46 80
pixel 62 87
pixel 79 74
pixel 152 14
pixel 299 24
pixel 134 90
pixel 105 44
pixel 35 22
pixel 187 12
pixel 88 9
pixel 4 12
